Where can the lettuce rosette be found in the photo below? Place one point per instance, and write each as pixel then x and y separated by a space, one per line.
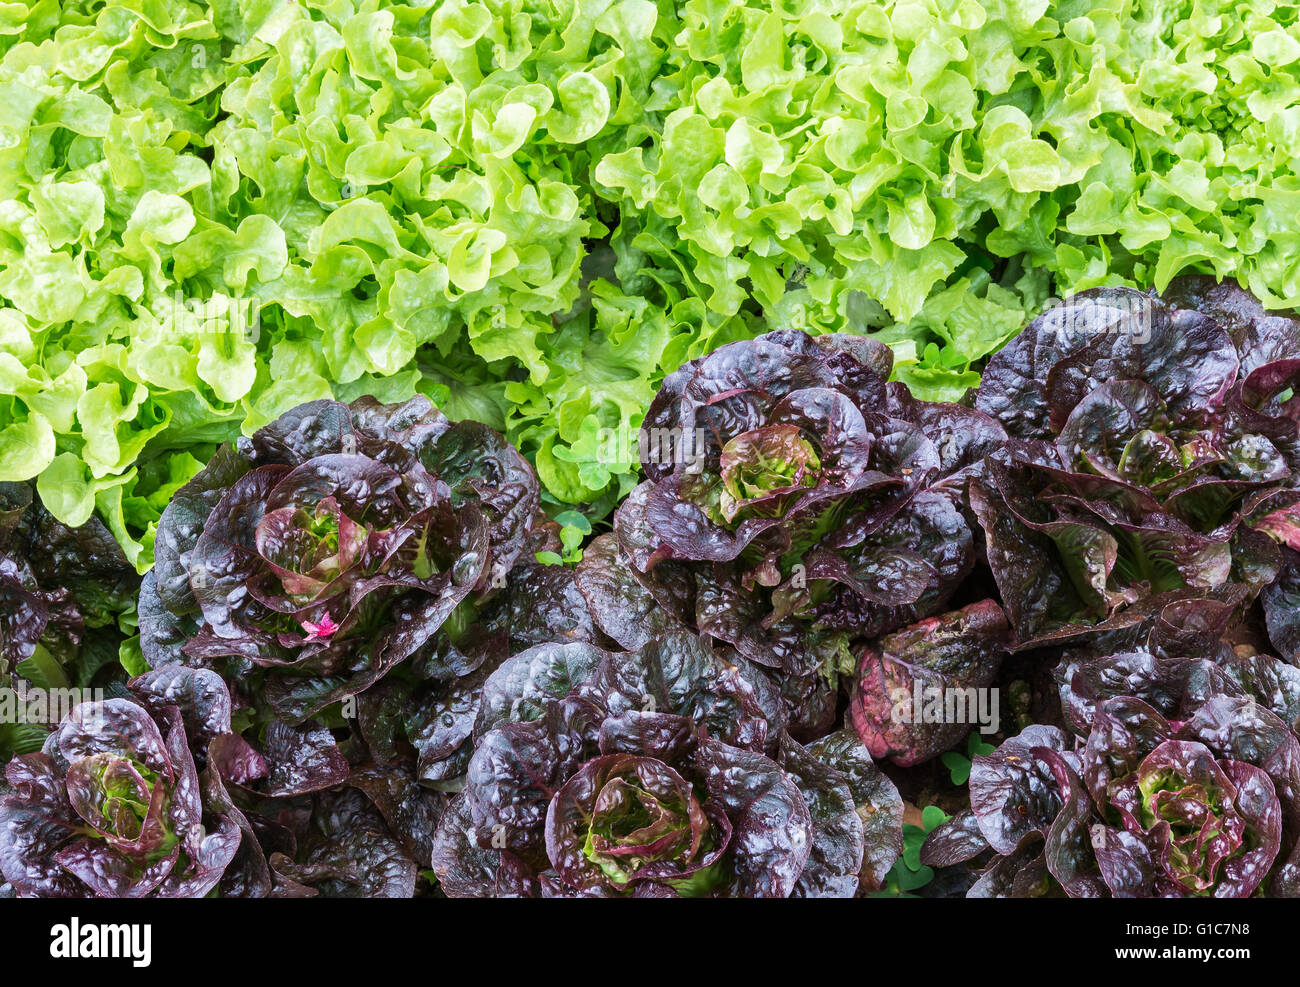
pixel 311 558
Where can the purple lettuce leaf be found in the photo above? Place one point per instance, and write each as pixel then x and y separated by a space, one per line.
pixel 839 839
pixel 936 660
pixel 345 850
pixel 875 798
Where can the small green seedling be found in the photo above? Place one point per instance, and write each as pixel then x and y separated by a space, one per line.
pixel 908 873
pixel 959 764
pixel 574 529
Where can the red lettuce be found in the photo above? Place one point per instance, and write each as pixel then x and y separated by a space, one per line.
pixel 115 806
pixel 61 592
pixel 795 505
pixel 1183 778
pixel 656 773
pixel 333 545
pixel 1154 451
